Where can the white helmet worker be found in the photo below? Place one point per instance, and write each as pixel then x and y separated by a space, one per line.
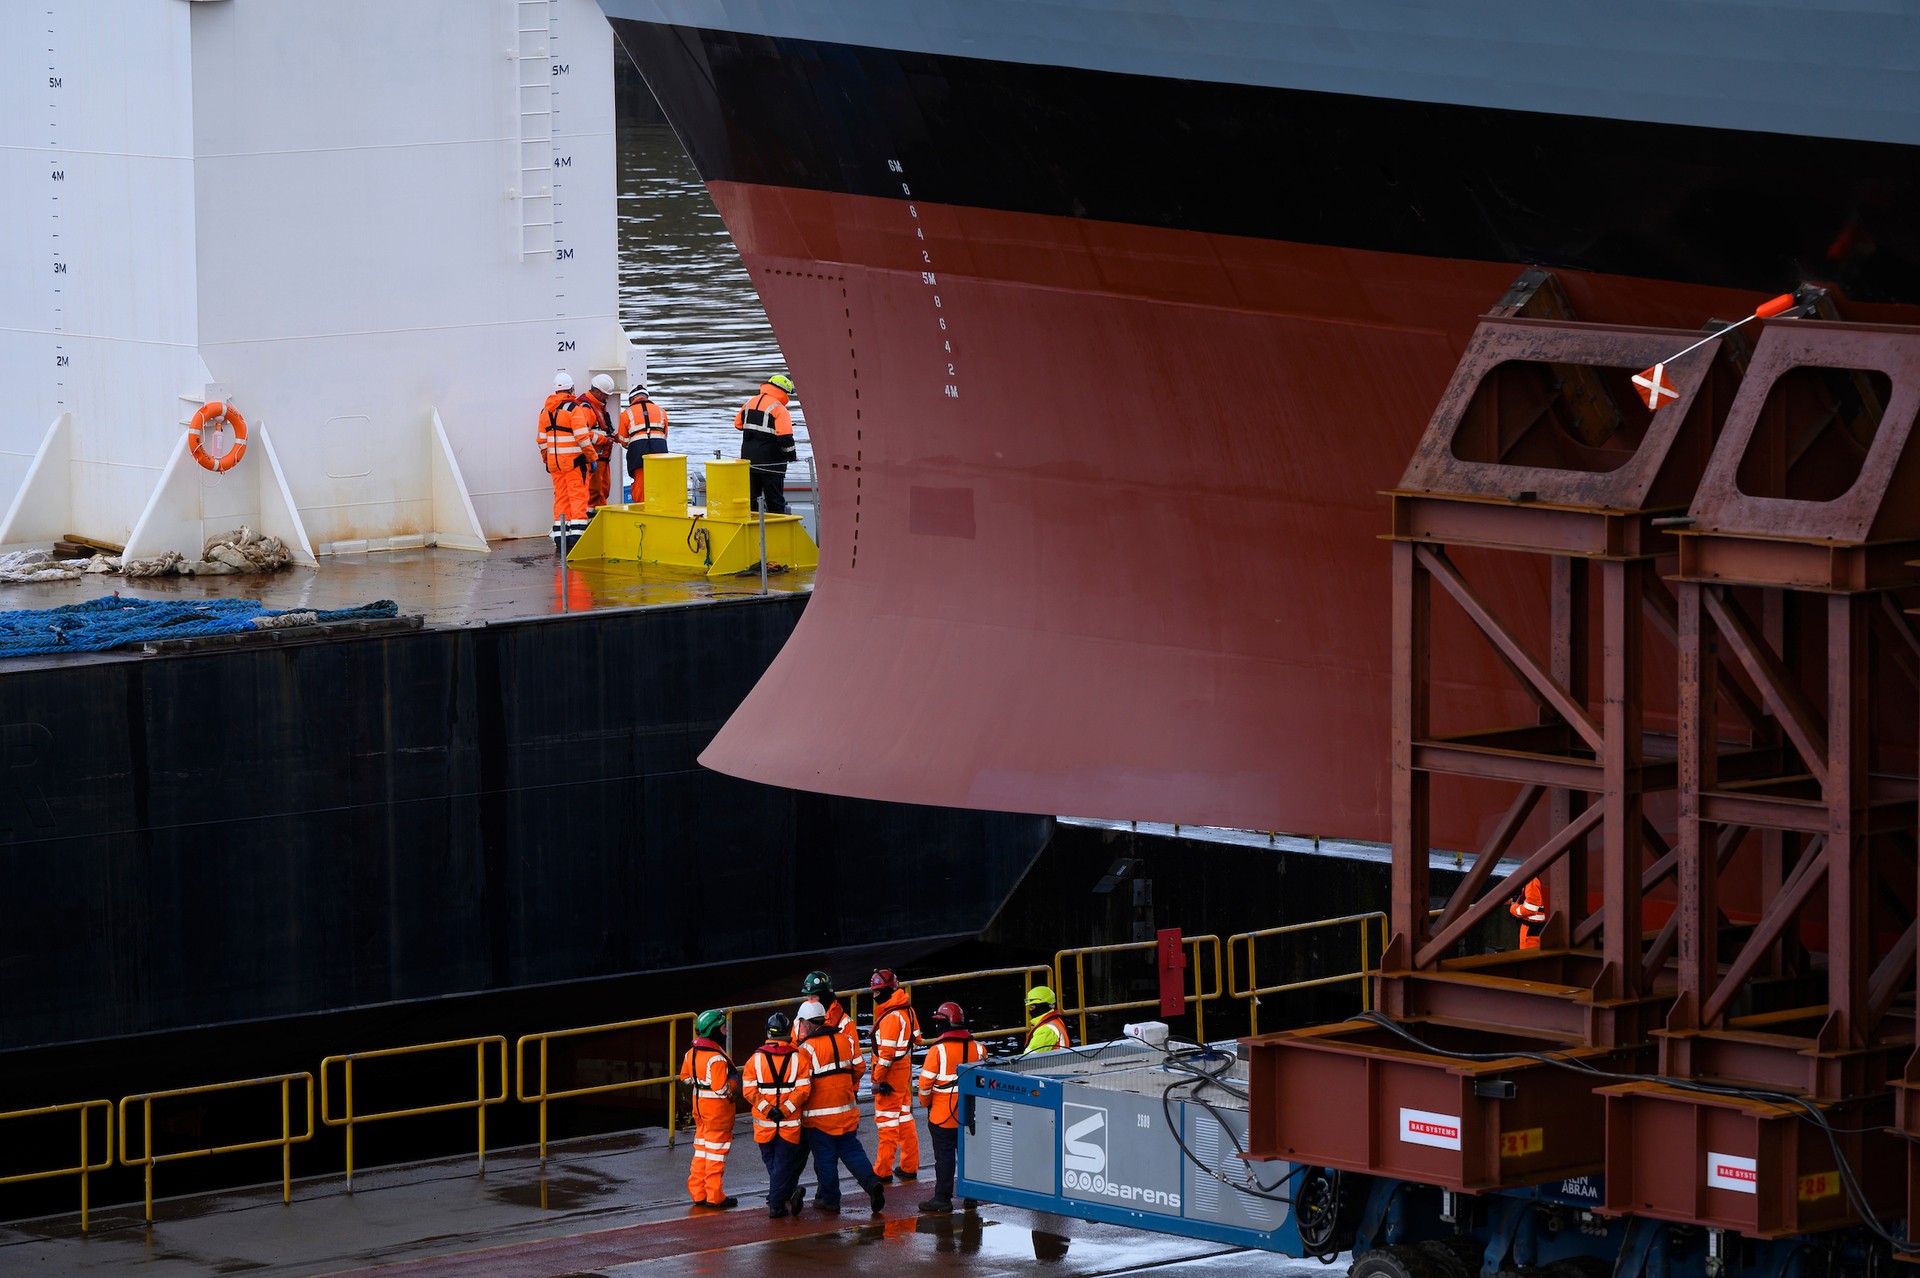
pixel 811 1010
pixel 811 1019
pixel 603 383
pixel 563 380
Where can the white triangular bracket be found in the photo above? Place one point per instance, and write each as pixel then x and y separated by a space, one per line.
pixel 42 508
pixel 454 521
pixel 191 504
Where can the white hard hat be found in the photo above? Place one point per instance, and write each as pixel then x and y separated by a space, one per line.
pixel 603 383
pixel 811 1010
pixel 563 381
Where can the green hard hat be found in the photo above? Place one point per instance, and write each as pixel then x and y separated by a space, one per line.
pixel 1041 994
pixel 707 1022
pixel 817 984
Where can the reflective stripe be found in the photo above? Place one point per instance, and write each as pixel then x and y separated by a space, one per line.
pixel 831 1109
pixel 711 1144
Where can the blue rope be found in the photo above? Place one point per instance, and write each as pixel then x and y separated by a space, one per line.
pixel 99 625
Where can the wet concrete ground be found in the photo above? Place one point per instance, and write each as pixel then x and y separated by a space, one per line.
pixel 611 1206
pixel 519 579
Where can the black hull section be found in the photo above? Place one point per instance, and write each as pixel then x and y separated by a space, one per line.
pixel 1757 211
pixel 269 833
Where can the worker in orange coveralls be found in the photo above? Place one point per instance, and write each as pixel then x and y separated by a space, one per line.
pixel 896 1031
pixel 708 1070
pixel 766 442
pixel 831 1119
pixel 642 431
pixel 593 423
pixel 564 455
pixel 1531 909
pixel 952 1049
pixel 818 985
pixel 777 1085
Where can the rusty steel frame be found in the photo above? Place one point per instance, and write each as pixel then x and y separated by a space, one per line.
pixel 1770 762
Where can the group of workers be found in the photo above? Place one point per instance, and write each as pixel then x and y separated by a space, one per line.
pixel 802 1088
pixel 577 435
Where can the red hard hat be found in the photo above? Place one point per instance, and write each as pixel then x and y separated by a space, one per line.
pixel 951 1013
pixel 883 979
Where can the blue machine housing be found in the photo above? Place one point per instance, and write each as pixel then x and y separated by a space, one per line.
pixel 1097 1134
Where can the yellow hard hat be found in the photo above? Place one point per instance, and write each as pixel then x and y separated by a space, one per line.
pixel 781 380
pixel 1041 994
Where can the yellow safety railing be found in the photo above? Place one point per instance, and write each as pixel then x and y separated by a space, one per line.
pixel 1198 995
pixel 546 1093
pixel 1027 982
pixel 86 1166
pixel 1252 991
pixel 286 1140
pixel 478 1102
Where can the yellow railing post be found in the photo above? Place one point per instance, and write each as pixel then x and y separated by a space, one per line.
pixel 286 1142
pixel 354 1116
pixel 347 1071
pixel 83 1171
pixel 85 1168
pixel 673 1080
pixel 148 1130
pixel 480 1094
pixel 543 1099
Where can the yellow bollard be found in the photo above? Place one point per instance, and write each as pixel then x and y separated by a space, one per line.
pixel 727 490
pixel 666 479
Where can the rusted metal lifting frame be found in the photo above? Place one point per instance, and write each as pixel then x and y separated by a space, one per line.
pixel 1828 541
pixel 1592 767
pixel 1509 464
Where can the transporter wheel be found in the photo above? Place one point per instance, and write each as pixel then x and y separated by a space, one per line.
pixel 1396 1260
pixel 1457 1256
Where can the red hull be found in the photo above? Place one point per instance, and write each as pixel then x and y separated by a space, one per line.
pixel 1132 569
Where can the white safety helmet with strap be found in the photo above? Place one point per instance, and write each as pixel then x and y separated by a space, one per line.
pixel 602 383
pixel 563 381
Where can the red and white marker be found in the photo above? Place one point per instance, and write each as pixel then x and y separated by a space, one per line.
pixel 1656 388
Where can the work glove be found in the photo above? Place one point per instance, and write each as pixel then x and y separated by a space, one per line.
pixel 883 1088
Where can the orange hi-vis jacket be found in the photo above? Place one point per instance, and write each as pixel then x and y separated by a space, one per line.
pixel 840 1023
pixel 1531 909
pixel 834 1106
pixel 896 1029
pixel 642 419
pixel 776 1084
pixel 591 425
pixel 1059 1024
pixel 940 1075
pixel 765 426
pixel 704 1069
pixel 554 434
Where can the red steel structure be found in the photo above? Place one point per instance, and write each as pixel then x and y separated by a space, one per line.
pixel 1718 787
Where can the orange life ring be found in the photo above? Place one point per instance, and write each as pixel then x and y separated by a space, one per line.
pixel 215 413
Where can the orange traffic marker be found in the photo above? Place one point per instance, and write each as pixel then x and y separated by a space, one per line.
pixel 1656 388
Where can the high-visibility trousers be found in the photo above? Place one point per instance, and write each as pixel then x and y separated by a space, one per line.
pixel 893 1117
pixel 569 498
pixel 712 1138
pixel 599 481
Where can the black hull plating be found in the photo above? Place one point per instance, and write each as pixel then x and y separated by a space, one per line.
pixel 268 833
pixel 1756 211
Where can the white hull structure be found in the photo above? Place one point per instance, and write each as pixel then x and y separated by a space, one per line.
pixel 377 228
